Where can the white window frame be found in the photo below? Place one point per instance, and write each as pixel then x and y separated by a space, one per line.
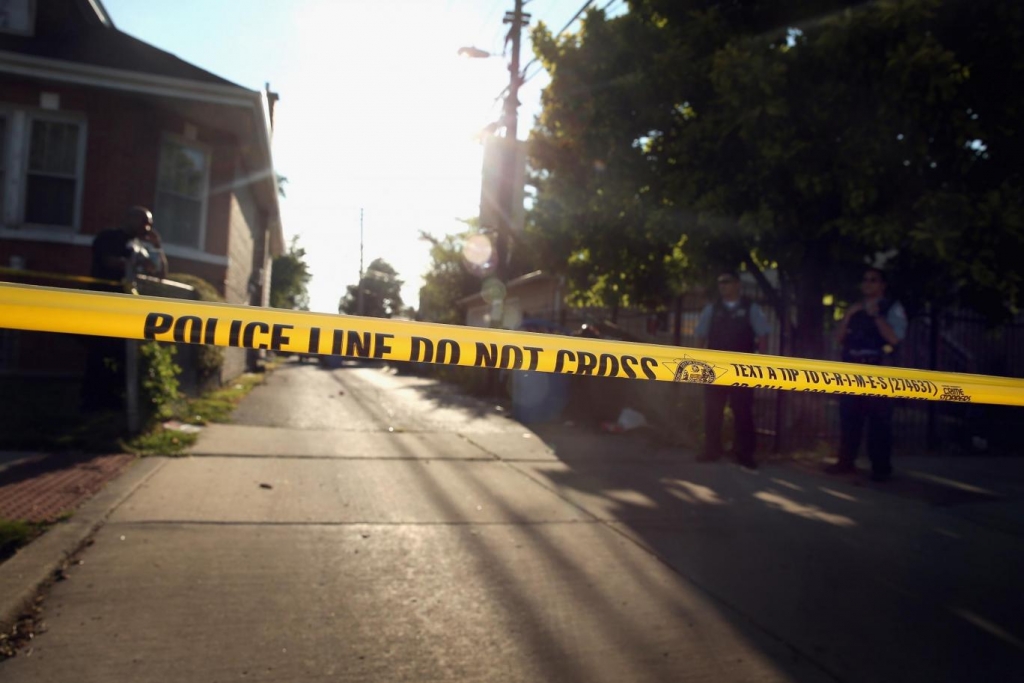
pixel 18 129
pixel 171 247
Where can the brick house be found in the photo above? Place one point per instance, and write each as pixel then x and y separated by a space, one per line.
pixel 93 121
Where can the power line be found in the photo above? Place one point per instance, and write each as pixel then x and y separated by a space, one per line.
pixel 576 16
pixel 579 13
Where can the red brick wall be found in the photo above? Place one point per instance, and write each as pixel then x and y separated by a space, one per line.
pixel 123 136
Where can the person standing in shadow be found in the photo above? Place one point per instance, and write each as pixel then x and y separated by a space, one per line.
pixel 731 323
pixel 869 333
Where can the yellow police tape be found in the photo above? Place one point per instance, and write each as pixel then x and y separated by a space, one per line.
pixel 36 274
pixel 47 309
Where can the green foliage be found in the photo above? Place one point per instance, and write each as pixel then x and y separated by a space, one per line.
pixel 158 375
pixel 686 136
pixel 452 276
pixel 210 359
pixel 382 292
pixel 205 290
pixel 161 441
pixel 447 281
pixel 217 406
pixel 14 534
pixel 212 406
pixel 289 278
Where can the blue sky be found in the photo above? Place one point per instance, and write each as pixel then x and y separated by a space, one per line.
pixel 377 111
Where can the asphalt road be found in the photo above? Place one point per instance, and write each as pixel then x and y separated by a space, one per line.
pixel 361 526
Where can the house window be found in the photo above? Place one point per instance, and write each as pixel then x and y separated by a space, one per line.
pixel 180 210
pixel 51 179
pixel 17 16
pixel 41 167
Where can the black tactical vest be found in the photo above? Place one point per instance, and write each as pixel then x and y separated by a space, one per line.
pixel 731 329
pixel 863 342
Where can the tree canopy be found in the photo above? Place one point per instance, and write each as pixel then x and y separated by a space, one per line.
pixel 689 135
pixel 382 292
pixel 289 278
pixel 448 280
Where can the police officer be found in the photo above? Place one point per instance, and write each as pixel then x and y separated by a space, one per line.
pixel 731 323
pixel 868 334
pixel 112 253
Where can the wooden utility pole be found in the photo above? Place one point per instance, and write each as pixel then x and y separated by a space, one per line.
pixel 359 293
pixel 517 20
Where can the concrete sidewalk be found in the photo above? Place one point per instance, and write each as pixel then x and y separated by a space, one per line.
pixel 90 494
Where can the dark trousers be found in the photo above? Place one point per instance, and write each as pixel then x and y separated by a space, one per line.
pixel 104 380
pixel 742 401
pixel 854 412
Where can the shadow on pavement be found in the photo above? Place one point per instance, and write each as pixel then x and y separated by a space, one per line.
pixel 603 615
pixel 873 584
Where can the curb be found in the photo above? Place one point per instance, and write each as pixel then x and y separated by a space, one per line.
pixel 33 566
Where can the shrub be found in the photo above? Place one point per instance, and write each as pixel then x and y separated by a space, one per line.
pixel 158 378
pixel 209 359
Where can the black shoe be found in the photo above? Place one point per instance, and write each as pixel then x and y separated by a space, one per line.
pixel 881 476
pixel 840 468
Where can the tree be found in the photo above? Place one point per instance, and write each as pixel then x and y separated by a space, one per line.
pixel 447 281
pixel 460 264
pixel 289 278
pixel 812 136
pixel 381 288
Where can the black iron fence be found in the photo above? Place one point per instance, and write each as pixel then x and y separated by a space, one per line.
pixel 950 340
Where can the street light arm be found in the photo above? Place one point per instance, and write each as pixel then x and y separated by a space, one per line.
pixel 474 53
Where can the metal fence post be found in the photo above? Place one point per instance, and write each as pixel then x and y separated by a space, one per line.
pixel 131 357
pixel 131 375
pixel 934 330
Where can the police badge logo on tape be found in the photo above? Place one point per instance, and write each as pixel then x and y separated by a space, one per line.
pixel 694 372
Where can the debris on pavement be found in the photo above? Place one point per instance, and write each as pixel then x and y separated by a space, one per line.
pixel 265 486
pixel 629 420
pixel 611 428
pixel 183 427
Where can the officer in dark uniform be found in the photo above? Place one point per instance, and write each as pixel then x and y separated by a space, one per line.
pixel 868 334
pixel 112 257
pixel 731 323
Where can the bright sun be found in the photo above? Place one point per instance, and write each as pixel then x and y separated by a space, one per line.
pixel 382 114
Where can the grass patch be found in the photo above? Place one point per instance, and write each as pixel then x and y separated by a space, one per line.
pixel 213 406
pixel 217 405
pixel 15 534
pixel 160 440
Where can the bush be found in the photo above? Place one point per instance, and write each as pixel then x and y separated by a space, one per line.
pixel 209 359
pixel 158 378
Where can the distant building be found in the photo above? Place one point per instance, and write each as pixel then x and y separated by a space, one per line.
pixel 93 121
pixel 534 295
